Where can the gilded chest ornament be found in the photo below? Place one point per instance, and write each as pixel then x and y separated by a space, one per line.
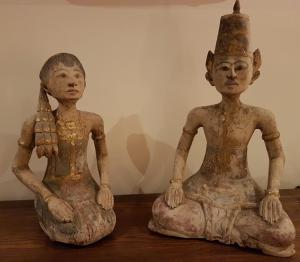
pixel 71 131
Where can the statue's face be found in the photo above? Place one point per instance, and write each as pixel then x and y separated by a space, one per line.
pixel 66 83
pixel 232 75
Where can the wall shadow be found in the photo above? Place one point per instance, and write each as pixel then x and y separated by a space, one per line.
pixel 138 163
pixel 138 151
pixel 156 177
pixel 120 3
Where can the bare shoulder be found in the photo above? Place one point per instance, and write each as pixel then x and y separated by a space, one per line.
pixel 200 113
pixel 264 119
pixel 27 132
pixel 94 123
pixel 261 114
pixel 93 118
pixel 197 116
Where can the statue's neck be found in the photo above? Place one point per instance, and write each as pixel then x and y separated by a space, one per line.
pixel 67 109
pixel 230 103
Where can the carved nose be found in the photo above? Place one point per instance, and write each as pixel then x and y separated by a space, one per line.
pixel 72 84
pixel 232 74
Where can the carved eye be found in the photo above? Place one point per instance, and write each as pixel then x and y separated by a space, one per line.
pixel 62 75
pixel 224 68
pixel 77 75
pixel 240 66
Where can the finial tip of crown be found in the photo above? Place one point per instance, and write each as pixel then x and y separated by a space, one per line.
pixel 237 7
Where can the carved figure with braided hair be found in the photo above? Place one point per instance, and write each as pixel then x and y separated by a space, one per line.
pixel 71 207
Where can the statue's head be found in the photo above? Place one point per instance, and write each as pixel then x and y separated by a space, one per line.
pixel 63 77
pixel 233 66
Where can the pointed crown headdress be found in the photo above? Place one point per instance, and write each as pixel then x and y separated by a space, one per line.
pixel 234 34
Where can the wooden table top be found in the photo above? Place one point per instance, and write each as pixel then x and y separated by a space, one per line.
pixel 21 238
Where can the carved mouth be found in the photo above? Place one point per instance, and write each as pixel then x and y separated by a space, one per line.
pixel 231 83
pixel 72 91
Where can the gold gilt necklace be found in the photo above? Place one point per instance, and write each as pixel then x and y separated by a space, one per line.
pixel 71 130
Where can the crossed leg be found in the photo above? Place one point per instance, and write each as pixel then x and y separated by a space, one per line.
pixel 273 239
pixel 188 221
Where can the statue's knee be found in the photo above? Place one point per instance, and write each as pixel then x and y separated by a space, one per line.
pixel 284 233
pixel 186 218
pixel 159 206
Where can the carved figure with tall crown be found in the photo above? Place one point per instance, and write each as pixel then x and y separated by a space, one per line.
pixel 221 201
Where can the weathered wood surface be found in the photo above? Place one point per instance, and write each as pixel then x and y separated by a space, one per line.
pixel 21 238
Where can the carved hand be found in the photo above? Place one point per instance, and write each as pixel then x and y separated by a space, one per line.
pixel 174 194
pixel 60 209
pixel 270 208
pixel 105 197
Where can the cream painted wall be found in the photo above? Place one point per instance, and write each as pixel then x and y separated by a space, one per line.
pixel 145 71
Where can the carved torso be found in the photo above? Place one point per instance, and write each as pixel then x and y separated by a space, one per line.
pixel 69 177
pixel 67 173
pixel 224 170
pixel 227 137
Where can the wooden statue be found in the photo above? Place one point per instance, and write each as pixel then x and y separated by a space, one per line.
pixel 221 201
pixel 70 205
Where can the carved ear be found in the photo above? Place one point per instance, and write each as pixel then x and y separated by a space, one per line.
pixel 209 66
pixel 209 61
pixel 256 65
